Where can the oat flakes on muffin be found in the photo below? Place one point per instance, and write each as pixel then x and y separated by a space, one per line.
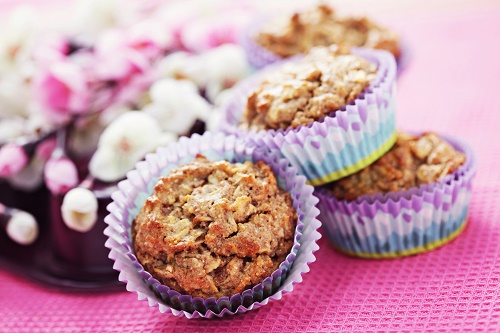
pixel 327 79
pixel 213 229
pixel 320 26
pixel 412 161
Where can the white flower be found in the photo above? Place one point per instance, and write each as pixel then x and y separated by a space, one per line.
pixel 16 37
pixel 125 142
pixel 22 228
pixel 11 128
pixel 37 122
pixel 79 209
pixel 176 104
pixel 14 96
pixel 94 16
pixel 174 65
pixel 225 66
pixel 213 71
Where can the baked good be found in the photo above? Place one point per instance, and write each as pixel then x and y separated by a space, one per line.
pixel 214 229
pixel 412 161
pixel 330 115
pixel 413 199
pixel 129 235
pixel 321 26
pixel 299 93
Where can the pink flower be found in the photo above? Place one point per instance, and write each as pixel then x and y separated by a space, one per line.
pixel 176 17
pixel 45 149
pixel 205 33
pixel 115 60
pixel 12 160
pixel 62 90
pixel 50 49
pixel 151 38
pixel 130 92
pixel 60 175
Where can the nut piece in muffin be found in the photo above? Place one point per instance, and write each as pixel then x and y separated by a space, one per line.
pixel 214 229
pixel 411 162
pixel 327 79
pixel 320 26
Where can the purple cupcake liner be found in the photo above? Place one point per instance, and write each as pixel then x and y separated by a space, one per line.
pixel 139 185
pixel 339 144
pixel 401 223
pixel 260 57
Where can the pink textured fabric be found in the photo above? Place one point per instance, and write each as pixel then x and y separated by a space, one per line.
pixel 451 86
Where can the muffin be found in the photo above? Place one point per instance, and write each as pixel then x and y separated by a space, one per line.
pixel 215 235
pixel 321 26
pixel 413 199
pixel 213 229
pixel 306 91
pixel 296 33
pixel 330 113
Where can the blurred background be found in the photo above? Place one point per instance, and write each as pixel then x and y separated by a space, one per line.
pixel 450 85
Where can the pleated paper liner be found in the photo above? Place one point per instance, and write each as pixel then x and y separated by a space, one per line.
pixel 139 185
pixel 402 223
pixel 260 57
pixel 339 144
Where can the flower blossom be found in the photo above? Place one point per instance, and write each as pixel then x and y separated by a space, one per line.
pixel 79 209
pixel 115 60
pixel 176 104
pixel 92 17
pixel 151 38
pixel 207 32
pixel 60 175
pixel 12 160
pixel 11 128
pixel 125 142
pixel 22 228
pixel 30 177
pixel 213 71
pixel 16 38
pixel 62 90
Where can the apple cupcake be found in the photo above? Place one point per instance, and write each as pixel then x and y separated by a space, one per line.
pixel 296 33
pixel 330 113
pixel 210 226
pixel 413 199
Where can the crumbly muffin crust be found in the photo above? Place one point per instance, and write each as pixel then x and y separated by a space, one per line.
pixel 412 161
pixel 299 93
pixel 213 229
pixel 320 26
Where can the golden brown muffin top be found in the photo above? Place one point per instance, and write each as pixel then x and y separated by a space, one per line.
pixel 412 161
pixel 213 229
pixel 320 26
pixel 299 93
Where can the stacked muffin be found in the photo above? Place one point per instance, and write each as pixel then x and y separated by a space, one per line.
pixel 331 114
pixel 221 224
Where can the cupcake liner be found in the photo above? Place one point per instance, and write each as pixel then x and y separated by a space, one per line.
pixel 260 57
pixel 337 145
pixel 139 185
pixel 401 223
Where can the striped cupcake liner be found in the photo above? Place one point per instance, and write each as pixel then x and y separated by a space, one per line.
pixel 139 185
pixel 338 145
pixel 401 223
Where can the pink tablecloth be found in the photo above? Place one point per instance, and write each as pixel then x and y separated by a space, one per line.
pixel 452 86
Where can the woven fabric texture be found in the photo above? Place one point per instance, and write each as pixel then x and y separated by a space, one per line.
pixel 451 86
